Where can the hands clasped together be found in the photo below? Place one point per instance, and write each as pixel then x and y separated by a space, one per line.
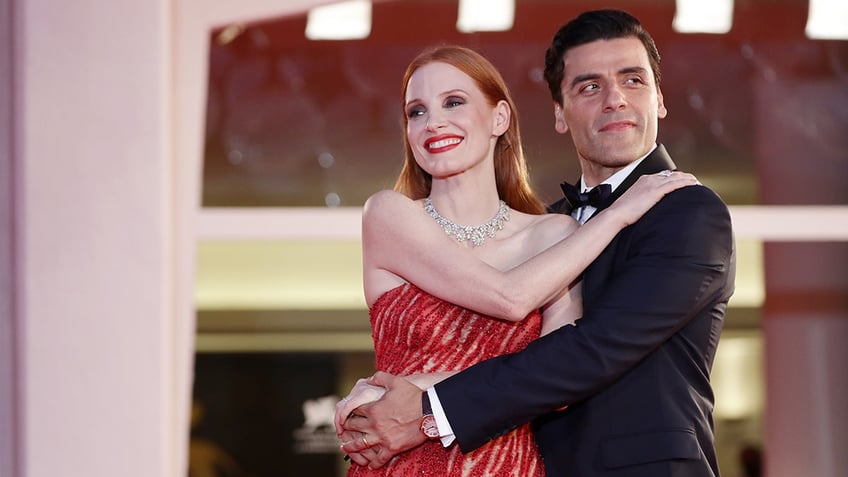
pixel 379 419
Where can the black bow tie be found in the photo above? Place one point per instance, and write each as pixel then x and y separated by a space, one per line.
pixel 596 196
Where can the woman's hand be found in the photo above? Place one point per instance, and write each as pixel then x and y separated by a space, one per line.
pixel 647 191
pixel 362 393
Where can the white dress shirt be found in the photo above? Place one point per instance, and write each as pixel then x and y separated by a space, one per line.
pixel 582 214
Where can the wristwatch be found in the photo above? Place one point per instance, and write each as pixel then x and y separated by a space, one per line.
pixel 428 420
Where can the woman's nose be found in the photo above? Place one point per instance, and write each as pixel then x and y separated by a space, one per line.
pixel 434 121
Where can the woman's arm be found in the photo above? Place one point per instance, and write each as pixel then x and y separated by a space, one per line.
pixel 563 310
pixel 425 380
pixel 399 238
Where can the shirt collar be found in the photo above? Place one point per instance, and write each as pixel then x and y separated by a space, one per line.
pixel 616 179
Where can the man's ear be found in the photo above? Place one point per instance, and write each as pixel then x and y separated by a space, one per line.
pixel 559 119
pixel 661 109
pixel 503 115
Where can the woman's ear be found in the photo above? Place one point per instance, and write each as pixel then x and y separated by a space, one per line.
pixel 503 115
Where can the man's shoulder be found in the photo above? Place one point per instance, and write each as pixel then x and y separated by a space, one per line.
pixel 691 207
pixel 695 195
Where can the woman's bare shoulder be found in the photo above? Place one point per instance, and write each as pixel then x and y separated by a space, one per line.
pixel 547 229
pixel 386 203
pixel 557 224
pixel 385 197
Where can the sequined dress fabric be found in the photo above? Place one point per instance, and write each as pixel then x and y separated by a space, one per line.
pixel 415 332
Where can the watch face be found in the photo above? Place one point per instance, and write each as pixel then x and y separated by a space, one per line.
pixel 428 426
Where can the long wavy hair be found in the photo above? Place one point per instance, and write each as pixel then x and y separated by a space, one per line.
pixel 511 173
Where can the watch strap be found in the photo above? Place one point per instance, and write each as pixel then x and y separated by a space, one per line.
pixel 426 408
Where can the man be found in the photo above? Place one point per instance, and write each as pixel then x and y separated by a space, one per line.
pixel 630 382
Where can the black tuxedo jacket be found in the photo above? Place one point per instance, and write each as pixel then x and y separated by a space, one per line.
pixel 634 371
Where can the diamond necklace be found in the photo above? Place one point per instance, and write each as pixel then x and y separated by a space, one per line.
pixel 477 235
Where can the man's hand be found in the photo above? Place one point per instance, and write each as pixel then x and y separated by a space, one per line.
pixel 389 425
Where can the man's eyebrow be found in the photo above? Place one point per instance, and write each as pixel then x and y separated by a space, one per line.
pixel 593 76
pixel 587 77
pixel 633 69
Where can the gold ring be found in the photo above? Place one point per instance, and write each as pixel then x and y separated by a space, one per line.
pixel 365 442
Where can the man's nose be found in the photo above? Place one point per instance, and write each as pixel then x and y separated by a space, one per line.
pixel 615 98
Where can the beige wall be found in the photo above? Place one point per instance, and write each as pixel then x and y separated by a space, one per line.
pixel 93 241
pixel 98 194
pixel 95 316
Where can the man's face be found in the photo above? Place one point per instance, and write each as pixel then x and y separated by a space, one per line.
pixel 611 105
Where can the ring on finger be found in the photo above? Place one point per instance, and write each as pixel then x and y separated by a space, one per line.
pixel 665 173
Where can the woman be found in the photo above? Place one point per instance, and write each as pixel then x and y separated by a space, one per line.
pixel 464 165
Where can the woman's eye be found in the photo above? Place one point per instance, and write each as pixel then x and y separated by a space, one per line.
pixel 414 112
pixel 454 102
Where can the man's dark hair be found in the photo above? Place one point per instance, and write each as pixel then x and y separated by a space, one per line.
pixel 588 27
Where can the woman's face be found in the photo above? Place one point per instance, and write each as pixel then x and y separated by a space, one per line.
pixel 451 127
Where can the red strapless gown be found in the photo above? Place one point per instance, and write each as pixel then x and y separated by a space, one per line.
pixel 415 332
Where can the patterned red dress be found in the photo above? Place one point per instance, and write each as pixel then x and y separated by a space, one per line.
pixel 415 332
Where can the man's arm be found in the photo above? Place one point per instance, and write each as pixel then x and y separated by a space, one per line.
pixel 680 263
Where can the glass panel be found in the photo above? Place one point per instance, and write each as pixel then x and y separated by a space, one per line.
pixel 293 122
pixel 269 414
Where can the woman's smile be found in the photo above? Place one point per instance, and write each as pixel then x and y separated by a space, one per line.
pixel 442 143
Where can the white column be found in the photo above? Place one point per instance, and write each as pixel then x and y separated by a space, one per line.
pixel 102 243
pixel 99 189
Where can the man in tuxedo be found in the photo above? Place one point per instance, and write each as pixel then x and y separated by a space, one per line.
pixel 625 392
